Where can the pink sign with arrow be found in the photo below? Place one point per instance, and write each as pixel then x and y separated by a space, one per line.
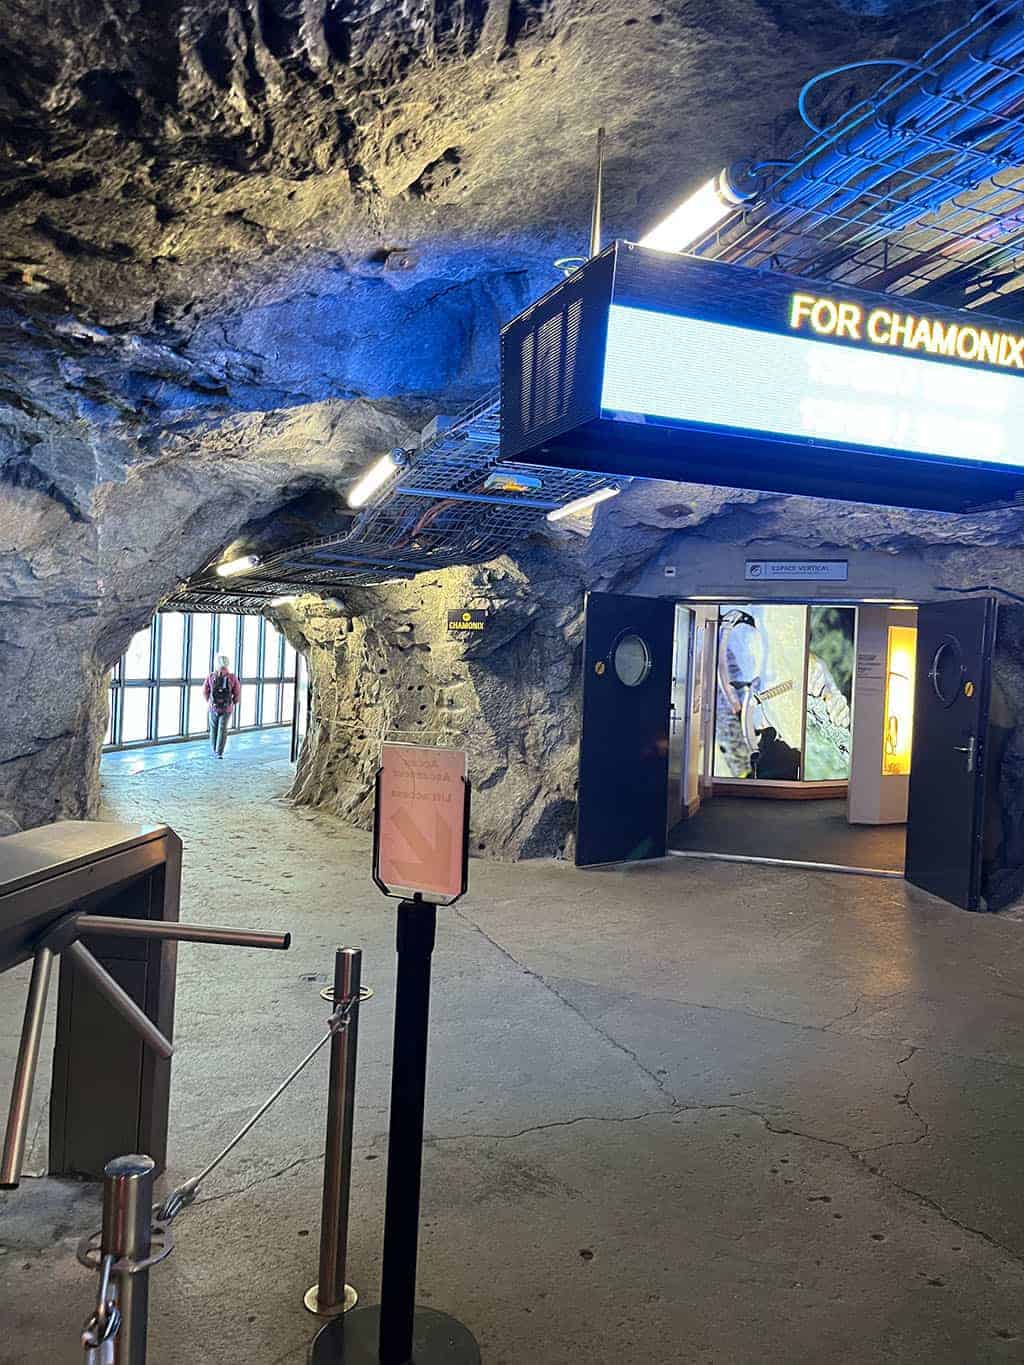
pixel 422 810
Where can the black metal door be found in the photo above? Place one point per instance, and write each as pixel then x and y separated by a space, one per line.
pixel 627 678
pixel 947 770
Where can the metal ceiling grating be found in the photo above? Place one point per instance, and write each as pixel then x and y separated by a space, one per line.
pixel 918 189
pixel 436 515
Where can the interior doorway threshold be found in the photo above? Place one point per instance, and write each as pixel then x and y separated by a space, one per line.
pixel 787 862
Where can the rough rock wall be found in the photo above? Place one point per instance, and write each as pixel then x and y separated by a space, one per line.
pixel 100 518
pixel 384 666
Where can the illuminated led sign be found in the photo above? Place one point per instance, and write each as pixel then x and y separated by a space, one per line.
pixel 888 327
pixel 690 370
pixel 673 367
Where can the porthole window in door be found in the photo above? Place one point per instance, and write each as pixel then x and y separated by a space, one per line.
pixel 947 670
pixel 631 660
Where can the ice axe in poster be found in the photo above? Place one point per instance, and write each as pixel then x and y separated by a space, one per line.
pixel 421 856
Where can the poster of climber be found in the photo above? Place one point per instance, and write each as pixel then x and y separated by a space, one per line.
pixel 759 702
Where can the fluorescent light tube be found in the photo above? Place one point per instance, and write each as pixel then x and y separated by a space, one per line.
pixel 233 566
pixel 378 474
pixel 581 504
pixel 698 214
pixel 283 601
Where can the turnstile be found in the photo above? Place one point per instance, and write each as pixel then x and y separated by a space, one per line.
pixel 109 1093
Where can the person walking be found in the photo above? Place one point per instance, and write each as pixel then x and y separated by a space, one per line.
pixel 223 692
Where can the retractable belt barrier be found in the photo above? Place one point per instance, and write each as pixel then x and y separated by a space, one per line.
pixel 135 1236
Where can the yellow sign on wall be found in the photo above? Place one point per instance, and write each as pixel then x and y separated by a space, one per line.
pixel 901 660
pixel 467 620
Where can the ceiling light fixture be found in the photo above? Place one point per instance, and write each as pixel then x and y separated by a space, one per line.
pixel 233 566
pixel 582 504
pixel 376 477
pixel 284 600
pixel 703 210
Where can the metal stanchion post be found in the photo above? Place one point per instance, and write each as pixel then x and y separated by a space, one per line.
pixel 397 1332
pixel 331 1295
pixel 127 1211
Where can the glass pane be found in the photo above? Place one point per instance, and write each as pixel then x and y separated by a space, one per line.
pixel 830 665
pixel 197 711
pixel 287 702
pixel 271 699
pixel 248 706
pixel 136 714
pixel 632 660
pixel 136 658
pixel 250 648
pixel 289 660
pixel 227 638
pixel 108 738
pixel 201 629
pixel 271 651
pixel 169 714
pixel 760 681
pixel 172 637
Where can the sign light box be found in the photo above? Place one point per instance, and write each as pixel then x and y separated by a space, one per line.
pixel 672 367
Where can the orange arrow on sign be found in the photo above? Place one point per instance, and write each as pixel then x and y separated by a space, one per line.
pixel 428 851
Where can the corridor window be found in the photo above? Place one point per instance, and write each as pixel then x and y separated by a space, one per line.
pixel 156 688
pixel 197 710
pixel 227 636
pixel 169 713
pixel 247 709
pixel 250 648
pixel 172 645
pixel 201 647
pixel 271 651
pixel 135 715
pixel 137 663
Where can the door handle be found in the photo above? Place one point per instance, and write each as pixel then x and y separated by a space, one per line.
pixel 967 749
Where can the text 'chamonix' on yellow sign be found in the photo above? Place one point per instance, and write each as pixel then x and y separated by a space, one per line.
pixel 848 321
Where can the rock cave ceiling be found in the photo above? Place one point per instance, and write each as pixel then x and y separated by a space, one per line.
pixel 222 222
pixel 213 174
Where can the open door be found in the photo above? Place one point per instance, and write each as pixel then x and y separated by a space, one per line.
pixel 947 771
pixel 624 742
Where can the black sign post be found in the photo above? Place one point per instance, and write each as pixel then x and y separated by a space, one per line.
pixel 397 1332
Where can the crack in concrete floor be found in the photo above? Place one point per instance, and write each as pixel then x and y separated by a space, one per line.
pixel 678 1105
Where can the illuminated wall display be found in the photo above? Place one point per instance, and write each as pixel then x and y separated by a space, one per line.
pixel 675 367
pixel 784 693
pixel 901 658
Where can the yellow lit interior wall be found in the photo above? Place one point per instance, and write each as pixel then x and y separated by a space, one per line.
pixel 899 700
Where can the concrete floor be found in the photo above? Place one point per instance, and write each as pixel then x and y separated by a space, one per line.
pixel 682 1111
